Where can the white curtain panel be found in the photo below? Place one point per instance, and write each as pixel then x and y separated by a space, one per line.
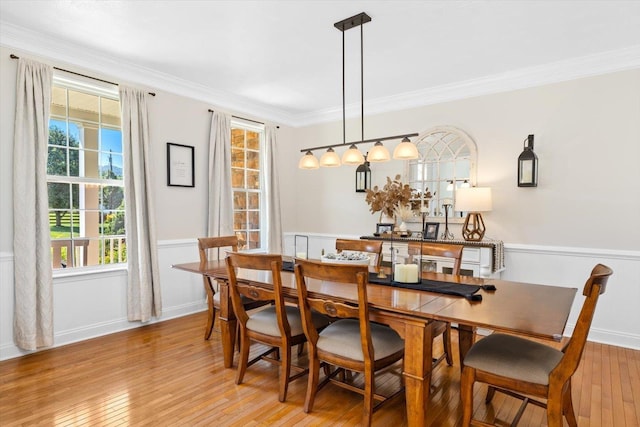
pixel 33 274
pixel 220 208
pixel 272 187
pixel 143 287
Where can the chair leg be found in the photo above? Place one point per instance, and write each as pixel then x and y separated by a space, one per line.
pixel 567 403
pixel 367 411
pixel 212 310
pixel 244 356
pixel 446 344
pixel 285 372
pixel 466 394
pixel 312 382
pixel 554 407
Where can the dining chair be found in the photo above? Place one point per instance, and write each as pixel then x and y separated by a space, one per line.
pixel 223 243
pixel 514 365
pixel 369 246
pixel 350 343
pixel 279 326
pixel 443 250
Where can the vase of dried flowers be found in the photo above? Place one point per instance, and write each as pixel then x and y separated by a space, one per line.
pixel 386 199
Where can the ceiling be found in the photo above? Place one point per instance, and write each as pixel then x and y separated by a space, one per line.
pixel 282 60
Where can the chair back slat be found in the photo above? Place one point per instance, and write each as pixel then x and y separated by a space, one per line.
pixel 362 245
pixel 206 243
pixel 593 288
pixel 443 250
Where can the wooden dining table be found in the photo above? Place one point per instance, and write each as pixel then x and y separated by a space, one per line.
pixel 538 311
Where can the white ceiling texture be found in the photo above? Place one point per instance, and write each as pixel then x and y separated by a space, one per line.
pixel 282 60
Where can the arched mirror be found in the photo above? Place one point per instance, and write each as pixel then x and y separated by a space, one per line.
pixel 447 162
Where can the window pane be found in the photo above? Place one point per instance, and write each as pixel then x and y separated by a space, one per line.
pixel 254 200
pixel 253 140
pixel 58 101
pixel 90 164
pixel 58 195
pixel 237 178
pixel 74 135
pixel 239 220
pixel 239 200
pixel 57 132
pixel 110 109
pixel 242 240
pixel 59 224
pixel 83 106
pixel 253 180
pixel 254 240
pixel 111 166
pixel 254 220
pixel 237 158
pixel 253 160
pixel 112 197
pixel 113 223
pixel 57 161
pixel 74 162
pixel 237 138
pixel 111 140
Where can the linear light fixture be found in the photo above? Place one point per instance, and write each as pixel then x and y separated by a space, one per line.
pixel 406 149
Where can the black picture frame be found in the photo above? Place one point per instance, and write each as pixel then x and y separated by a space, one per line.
pixel 384 227
pixel 180 165
pixel 430 231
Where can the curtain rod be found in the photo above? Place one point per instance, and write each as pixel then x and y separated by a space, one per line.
pixel 346 144
pixel 244 118
pixel 12 56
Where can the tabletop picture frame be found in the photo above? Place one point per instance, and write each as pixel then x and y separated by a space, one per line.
pixel 430 231
pixel 180 165
pixel 384 228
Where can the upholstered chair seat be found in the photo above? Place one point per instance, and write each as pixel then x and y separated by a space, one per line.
pixel 266 321
pixel 343 339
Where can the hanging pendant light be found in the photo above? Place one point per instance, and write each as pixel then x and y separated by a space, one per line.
pixel 352 156
pixel 406 150
pixel 378 153
pixel 308 161
pixel 330 159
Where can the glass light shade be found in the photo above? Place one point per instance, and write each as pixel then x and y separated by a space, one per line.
pixel 406 150
pixel 378 153
pixel 352 156
pixel 330 159
pixel 465 184
pixel 308 161
pixel 473 199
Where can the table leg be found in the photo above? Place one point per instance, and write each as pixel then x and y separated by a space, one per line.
pixel 417 370
pixel 228 324
pixel 466 338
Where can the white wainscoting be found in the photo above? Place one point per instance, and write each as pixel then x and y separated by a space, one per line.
pixel 617 318
pixel 95 304
pixel 91 305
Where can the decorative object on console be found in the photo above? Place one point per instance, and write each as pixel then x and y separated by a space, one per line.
pixel 384 228
pixel 473 200
pixel 430 230
pixel 363 176
pixel 385 199
pixel 528 165
pixel 446 235
pixel 404 151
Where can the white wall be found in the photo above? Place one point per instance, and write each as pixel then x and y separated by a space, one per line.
pixel 583 211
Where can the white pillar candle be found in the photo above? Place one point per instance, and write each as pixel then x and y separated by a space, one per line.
pixel 399 273
pixel 411 273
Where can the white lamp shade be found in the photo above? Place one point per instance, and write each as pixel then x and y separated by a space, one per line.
pixel 308 161
pixel 473 199
pixel 378 153
pixel 352 156
pixel 330 159
pixel 406 150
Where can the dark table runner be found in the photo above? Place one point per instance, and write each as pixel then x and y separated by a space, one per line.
pixel 467 291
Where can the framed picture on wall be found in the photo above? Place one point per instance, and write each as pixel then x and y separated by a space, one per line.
pixel 180 170
pixel 430 231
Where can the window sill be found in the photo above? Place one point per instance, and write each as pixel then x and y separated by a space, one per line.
pixel 87 271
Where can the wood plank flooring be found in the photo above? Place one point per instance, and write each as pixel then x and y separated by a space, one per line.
pixel 165 374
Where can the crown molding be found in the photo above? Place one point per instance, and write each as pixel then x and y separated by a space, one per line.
pixel 16 37
pixel 50 48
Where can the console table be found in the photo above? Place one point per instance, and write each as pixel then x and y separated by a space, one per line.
pixel 480 259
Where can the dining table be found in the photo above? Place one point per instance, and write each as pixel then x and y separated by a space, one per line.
pixel 534 310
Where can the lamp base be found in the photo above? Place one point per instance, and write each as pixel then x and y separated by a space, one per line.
pixel 473 228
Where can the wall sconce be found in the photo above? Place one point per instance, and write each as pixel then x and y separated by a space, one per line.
pixel 363 177
pixel 528 165
pixel 473 200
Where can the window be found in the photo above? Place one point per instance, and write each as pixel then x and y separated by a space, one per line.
pixel 447 162
pixel 248 184
pixel 85 175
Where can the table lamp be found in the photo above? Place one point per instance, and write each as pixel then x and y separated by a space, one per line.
pixel 473 200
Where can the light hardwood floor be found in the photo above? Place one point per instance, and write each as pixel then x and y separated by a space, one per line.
pixel 166 375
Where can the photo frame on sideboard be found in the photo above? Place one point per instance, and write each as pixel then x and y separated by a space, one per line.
pixel 430 231
pixel 384 228
pixel 180 165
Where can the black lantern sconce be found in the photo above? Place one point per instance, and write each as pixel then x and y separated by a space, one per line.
pixel 528 165
pixel 363 176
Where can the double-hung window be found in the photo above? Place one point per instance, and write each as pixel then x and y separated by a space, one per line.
pixel 85 182
pixel 247 171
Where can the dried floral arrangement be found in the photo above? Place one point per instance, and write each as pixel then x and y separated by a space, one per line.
pixel 385 199
pixel 396 198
